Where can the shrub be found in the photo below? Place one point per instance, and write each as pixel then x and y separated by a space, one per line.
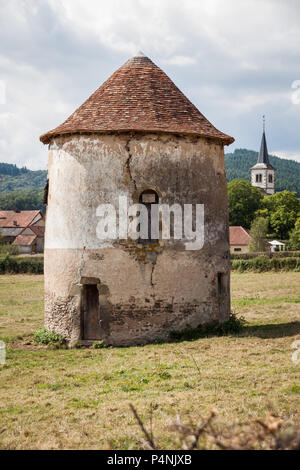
pixel 9 250
pixel 245 255
pixel 49 338
pixel 276 254
pixel 232 326
pixel 99 345
pixel 286 254
pixel 261 263
pixel 21 265
pixel 264 263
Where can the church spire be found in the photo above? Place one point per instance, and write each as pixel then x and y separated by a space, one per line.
pixel 263 173
pixel 263 156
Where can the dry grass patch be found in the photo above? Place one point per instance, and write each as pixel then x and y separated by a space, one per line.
pixel 21 305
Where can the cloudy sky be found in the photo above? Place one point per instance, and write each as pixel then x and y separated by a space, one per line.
pixel 235 60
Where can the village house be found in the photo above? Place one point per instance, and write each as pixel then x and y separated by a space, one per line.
pixel 239 239
pixel 137 137
pixel 24 229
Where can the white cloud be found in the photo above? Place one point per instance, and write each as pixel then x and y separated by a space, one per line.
pixel 124 26
pixel 180 61
pixel 30 100
pixel 235 61
pixel 286 154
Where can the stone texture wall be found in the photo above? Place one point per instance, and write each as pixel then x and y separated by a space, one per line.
pixel 144 291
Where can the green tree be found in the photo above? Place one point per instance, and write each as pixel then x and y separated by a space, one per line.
pixel 23 200
pixel 258 233
pixel 283 208
pixel 244 200
pixel 295 235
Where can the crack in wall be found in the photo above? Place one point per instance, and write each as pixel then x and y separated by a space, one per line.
pixel 152 274
pixel 82 263
pixel 128 161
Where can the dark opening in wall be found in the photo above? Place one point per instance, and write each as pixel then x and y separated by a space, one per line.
pixel 221 284
pixel 149 198
pixel 91 313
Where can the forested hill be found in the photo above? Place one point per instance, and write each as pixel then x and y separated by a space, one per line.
pixel 14 179
pixel 287 176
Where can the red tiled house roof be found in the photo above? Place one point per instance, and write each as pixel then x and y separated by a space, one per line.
pixel 17 219
pixel 239 236
pixel 139 96
pixel 24 240
pixel 39 231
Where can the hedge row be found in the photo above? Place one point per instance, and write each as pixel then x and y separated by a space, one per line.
pixel 276 254
pixel 21 265
pixel 264 263
pixel 259 263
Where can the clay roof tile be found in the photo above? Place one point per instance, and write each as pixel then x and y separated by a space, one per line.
pixel 17 219
pixel 139 96
pixel 24 240
pixel 239 236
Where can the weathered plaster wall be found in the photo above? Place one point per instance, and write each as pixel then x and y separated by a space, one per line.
pixel 144 292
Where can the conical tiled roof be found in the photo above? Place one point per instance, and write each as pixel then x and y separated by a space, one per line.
pixel 139 96
pixel 263 156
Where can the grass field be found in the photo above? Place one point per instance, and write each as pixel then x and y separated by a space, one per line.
pixel 64 399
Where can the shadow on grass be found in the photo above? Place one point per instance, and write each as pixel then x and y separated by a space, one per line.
pixel 275 330
pixel 235 326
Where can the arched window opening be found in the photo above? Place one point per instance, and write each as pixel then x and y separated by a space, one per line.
pixel 258 178
pixel 270 178
pixel 148 198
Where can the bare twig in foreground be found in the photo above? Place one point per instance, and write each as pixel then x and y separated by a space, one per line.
pixel 149 438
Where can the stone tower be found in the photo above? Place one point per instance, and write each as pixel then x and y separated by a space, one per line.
pixel 263 173
pixel 140 138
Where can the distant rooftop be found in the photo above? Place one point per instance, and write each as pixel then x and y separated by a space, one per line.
pixel 17 218
pixel 238 235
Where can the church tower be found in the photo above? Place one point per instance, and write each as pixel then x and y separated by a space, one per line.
pixel 263 173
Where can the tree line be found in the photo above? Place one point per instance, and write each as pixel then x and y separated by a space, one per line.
pixel 11 169
pixel 23 200
pixel 277 215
